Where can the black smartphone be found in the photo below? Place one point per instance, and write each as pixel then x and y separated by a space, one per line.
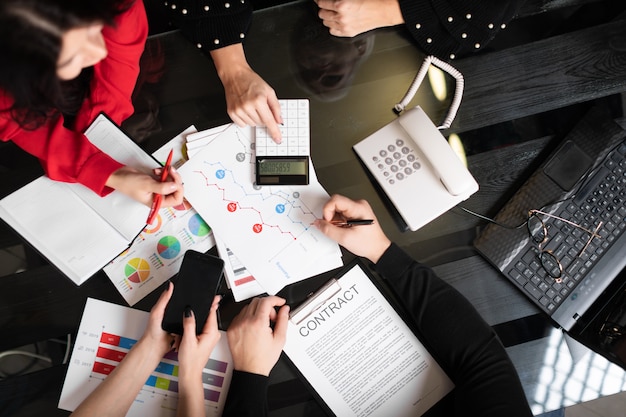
pixel 195 287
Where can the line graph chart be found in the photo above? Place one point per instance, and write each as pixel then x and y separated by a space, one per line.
pixel 269 228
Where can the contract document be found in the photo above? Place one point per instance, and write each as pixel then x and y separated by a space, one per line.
pixel 359 355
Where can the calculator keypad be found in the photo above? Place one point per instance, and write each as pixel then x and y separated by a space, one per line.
pixel 396 162
pixel 295 131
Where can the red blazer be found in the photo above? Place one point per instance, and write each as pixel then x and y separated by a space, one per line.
pixel 66 154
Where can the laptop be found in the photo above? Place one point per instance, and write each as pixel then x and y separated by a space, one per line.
pixel 560 239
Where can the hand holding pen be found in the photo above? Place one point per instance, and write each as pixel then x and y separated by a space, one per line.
pixel 166 199
pixel 341 215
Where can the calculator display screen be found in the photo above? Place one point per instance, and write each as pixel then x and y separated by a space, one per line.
pixel 282 167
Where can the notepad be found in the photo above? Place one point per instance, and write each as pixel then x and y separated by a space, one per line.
pixel 78 231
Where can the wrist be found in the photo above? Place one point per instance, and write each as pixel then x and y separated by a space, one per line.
pixel 252 368
pixel 189 377
pixel 393 13
pixel 229 60
pixel 150 351
pixel 378 250
pixel 118 176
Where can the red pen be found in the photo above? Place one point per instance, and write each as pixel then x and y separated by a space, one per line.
pixel 156 201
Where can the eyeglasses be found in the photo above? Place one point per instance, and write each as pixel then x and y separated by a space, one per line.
pixel 538 232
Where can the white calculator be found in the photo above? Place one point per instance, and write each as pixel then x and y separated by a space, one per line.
pixel 285 163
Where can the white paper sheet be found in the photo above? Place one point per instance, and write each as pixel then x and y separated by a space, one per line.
pixel 360 356
pixel 268 228
pixel 107 332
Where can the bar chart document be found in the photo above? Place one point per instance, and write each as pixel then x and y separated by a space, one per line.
pixel 359 355
pixel 107 332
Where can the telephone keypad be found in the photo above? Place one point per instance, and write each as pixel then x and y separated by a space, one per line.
pixel 396 161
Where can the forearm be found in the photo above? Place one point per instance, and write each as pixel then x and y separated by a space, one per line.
pixel 452 29
pixel 190 395
pixel 229 62
pixel 114 396
pixel 211 24
pixel 247 395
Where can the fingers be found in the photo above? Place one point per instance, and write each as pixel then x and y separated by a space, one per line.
pixel 281 323
pixel 159 307
pixel 368 241
pixel 271 120
pixel 189 323
pixel 335 233
pixel 244 117
pixel 211 323
pixel 265 113
pixel 172 190
pixel 326 4
pixel 346 208
pixel 265 305
pixel 260 311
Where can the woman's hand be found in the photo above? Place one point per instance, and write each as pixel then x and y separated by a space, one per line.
pixel 154 336
pixel 254 345
pixel 142 187
pixel 194 350
pixel 249 99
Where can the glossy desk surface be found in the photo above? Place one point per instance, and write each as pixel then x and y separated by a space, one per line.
pixel 522 95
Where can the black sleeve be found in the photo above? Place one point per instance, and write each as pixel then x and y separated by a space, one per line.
pixel 247 395
pixel 467 348
pixel 452 29
pixel 211 24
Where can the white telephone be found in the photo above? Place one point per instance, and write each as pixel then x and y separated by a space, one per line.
pixel 415 166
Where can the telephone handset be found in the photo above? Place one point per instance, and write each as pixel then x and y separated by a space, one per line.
pixel 444 162
pixel 413 163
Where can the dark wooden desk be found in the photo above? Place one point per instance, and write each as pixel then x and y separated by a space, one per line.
pixel 522 96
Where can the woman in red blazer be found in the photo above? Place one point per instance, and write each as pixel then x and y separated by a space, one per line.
pixel 64 62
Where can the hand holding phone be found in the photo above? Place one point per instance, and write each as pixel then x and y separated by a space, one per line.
pixel 195 287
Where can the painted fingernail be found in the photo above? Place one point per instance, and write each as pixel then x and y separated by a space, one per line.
pixel 187 311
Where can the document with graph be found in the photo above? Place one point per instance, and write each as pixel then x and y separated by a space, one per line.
pixel 269 228
pixel 107 332
pixel 157 253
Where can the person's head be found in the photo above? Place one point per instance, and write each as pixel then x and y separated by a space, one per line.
pixel 43 44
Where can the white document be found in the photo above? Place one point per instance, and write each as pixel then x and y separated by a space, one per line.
pixel 270 229
pixel 75 229
pixel 107 332
pixel 239 279
pixel 157 253
pixel 359 355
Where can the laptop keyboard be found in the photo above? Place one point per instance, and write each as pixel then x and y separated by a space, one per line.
pixel 601 199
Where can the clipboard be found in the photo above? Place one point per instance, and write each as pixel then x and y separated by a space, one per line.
pixel 337 337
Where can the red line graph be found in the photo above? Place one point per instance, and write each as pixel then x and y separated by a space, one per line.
pixel 233 206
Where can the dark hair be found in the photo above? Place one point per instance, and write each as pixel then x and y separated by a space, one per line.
pixel 30 43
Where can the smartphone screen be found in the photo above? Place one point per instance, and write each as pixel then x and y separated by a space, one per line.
pixel 195 287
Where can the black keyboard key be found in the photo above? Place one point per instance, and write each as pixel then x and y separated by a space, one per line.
pixel 591 185
pixel 532 290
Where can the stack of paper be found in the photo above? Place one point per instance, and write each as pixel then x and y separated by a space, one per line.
pixel 264 234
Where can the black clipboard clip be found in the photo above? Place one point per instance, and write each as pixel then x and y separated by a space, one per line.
pixel 315 301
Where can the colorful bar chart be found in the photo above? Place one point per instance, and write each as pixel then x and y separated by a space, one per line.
pixel 113 348
pixel 105 337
